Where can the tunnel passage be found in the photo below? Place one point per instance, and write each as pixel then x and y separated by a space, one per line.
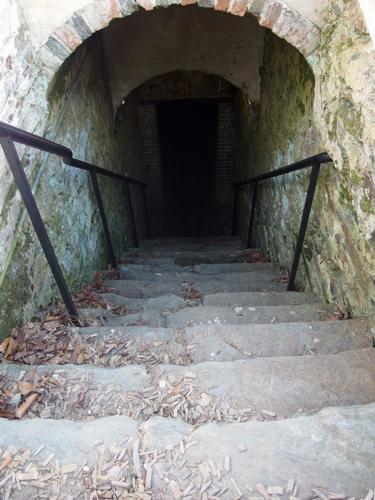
pixel 188 129
pixel 188 137
pixel 108 104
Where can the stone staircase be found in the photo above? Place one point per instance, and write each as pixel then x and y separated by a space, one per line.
pixel 215 384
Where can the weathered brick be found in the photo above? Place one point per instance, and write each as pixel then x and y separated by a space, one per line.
pixel 238 7
pixel 271 14
pixel 128 7
pixel 81 26
pixel 57 48
pixel 222 5
pixel 68 36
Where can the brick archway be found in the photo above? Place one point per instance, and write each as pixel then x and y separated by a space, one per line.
pixel 284 21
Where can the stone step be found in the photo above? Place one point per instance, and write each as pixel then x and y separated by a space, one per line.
pixel 246 299
pixel 191 245
pixel 101 317
pixel 285 452
pixel 76 392
pixel 233 342
pixel 167 302
pixel 282 386
pixel 194 240
pixel 146 289
pixel 202 343
pixel 327 453
pixel 189 277
pixel 199 269
pixel 147 346
pixel 248 315
pixel 279 387
pixel 233 267
pixel 190 258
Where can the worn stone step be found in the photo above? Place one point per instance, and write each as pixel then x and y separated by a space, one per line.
pixel 247 454
pixel 147 346
pixel 189 277
pixel 154 267
pixel 147 289
pixel 329 453
pixel 202 343
pixel 144 289
pixel 75 392
pixel 193 240
pixel 167 302
pixel 247 299
pixel 233 267
pixel 279 387
pixel 190 258
pixel 182 244
pixel 233 342
pixel 246 315
pixel 104 317
pixel 285 386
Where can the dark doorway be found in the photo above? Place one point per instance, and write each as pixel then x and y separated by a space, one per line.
pixel 188 140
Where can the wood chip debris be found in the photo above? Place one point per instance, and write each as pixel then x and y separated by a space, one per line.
pixel 129 470
pixel 68 393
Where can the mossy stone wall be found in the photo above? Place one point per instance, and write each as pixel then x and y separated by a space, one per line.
pixel 81 117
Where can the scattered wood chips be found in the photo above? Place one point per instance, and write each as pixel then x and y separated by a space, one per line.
pixel 128 470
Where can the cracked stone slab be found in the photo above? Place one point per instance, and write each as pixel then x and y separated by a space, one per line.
pixel 286 386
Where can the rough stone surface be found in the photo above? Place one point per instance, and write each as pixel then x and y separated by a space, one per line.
pixel 332 449
pixel 286 386
pixel 245 315
pixel 127 378
pixel 229 342
pixel 71 442
pixel 259 299
pixel 160 432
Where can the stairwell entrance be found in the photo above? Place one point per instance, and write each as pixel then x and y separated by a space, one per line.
pixel 188 141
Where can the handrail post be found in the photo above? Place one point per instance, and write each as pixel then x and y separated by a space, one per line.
pixel 131 213
pixel 37 222
pixel 107 234
pixel 252 214
pixel 235 203
pixel 304 221
pixel 147 213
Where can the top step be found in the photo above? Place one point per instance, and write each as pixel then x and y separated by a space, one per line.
pixel 192 243
pixel 186 257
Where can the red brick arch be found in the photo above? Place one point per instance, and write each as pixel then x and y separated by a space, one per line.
pixel 284 21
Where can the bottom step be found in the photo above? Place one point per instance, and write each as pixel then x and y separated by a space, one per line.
pixel 328 455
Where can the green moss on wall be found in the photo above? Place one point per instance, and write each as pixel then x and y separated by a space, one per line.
pixel 81 118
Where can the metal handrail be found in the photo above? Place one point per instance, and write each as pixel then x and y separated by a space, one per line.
pixel 313 161
pixel 10 135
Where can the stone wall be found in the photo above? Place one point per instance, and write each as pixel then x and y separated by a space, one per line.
pixel 296 120
pixel 277 132
pixel 39 35
pixel 345 111
pixel 80 117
